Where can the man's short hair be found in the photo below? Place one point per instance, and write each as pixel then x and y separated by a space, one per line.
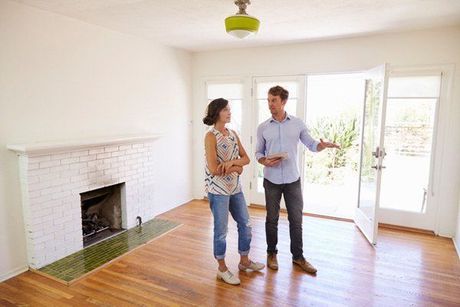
pixel 279 91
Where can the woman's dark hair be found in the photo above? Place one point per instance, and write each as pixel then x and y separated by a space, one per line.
pixel 213 110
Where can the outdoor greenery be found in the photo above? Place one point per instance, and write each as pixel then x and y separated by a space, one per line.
pixel 332 165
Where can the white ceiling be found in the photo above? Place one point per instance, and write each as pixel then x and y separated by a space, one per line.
pixel 198 25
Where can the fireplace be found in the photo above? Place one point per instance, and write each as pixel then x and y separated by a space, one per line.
pixel 101 213
pixel 63 181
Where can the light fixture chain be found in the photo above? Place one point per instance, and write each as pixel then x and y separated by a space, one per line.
pixel 242 5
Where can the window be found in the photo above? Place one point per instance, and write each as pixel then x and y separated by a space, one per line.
pixel 233 92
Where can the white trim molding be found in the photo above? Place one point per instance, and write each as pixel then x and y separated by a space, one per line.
pixel 457 249
pixel 71 145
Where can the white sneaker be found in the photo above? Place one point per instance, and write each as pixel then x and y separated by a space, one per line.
pixel 228 277
pixel 252 267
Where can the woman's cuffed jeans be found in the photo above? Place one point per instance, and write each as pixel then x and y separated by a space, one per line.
pixel 221 205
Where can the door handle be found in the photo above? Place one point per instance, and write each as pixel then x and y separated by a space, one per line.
pixel 376 152
pixel 379 152
pixel 378 167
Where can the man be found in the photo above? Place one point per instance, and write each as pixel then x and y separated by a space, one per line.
pixel 281 134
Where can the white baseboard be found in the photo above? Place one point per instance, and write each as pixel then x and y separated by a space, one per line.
pixel 446 235
pixel 13 273
pixel 457 248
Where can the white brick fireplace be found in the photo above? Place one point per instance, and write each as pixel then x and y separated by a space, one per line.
pixel 54 174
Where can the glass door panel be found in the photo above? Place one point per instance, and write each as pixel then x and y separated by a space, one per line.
pixel 410 126
pixel 233 92
pixel 261 86
pixel 372 153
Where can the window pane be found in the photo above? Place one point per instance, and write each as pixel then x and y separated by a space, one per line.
pixel 290 86
pixel 233 93
pixel 227 91
pixel 235 107
pixel 264 112
pixel 426 86
pixel 408 141
pixel 291 106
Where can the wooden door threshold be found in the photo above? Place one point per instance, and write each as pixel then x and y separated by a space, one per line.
pixel 381 225
pixel 408 229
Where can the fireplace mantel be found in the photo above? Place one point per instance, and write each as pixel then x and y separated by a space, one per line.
pixel 71 145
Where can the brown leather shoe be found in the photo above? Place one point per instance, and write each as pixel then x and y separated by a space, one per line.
pixel 272 263
pixel 305 265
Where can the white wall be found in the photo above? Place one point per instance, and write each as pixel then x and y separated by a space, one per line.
pixel 61 79
pixel 429 47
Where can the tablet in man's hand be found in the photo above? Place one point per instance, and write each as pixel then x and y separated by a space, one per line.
pixel 279 155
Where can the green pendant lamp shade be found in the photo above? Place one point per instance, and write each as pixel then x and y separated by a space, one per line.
pixel 241 24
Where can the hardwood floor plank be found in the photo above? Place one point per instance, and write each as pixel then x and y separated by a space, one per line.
pixel 58 293
pixel 178 269
pixel 30 295
pixel 99 296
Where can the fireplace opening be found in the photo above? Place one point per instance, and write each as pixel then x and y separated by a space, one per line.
pixel 101 214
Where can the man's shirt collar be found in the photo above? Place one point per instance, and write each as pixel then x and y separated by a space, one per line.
pixel 285 118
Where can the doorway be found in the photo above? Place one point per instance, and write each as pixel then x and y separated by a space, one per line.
pixel 333 112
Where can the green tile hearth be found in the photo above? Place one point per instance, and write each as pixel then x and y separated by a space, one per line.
pixel 90 258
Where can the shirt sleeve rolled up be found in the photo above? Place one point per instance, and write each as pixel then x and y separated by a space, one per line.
pixel 307 140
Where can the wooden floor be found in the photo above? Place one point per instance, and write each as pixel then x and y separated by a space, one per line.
pixel 405 269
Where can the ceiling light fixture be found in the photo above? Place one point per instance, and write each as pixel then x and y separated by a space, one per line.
pixel 241 24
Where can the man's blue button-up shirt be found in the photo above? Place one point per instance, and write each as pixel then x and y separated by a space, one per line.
pixel 274 137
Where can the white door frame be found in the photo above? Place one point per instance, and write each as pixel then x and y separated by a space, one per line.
pixel 245 123
pixel 254 196
pixel 431 219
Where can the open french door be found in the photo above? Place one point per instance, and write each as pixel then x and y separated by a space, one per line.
pixel 372 152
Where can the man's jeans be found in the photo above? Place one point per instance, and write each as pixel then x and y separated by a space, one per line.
pixel 294 204
pixel 220 206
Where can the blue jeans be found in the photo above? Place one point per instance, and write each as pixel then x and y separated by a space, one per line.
pixel 220 206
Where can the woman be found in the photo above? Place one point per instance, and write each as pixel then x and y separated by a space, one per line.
pixel 225 158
